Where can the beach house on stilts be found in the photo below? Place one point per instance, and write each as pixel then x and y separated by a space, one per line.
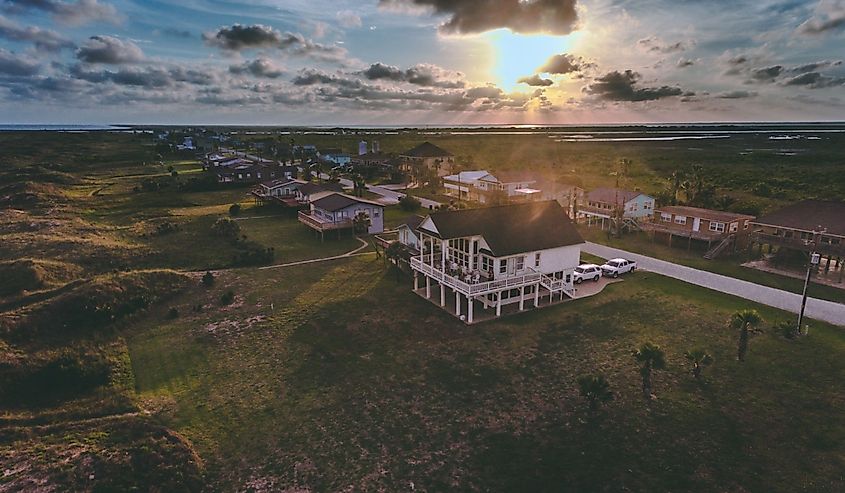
pixel 509 257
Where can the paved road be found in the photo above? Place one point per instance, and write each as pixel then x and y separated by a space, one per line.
pixel 827 311
pixel 389 193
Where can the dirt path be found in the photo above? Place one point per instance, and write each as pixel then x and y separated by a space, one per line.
pixel 351 253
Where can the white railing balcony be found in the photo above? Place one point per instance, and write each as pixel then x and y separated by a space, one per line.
pixel 423 265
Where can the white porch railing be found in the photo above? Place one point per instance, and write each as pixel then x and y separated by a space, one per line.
pixel 422 264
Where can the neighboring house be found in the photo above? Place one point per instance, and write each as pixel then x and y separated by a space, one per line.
pixel 497 256
pixel 807 226
pixel 608 203
pixel 280 190
pixel 517 186
pixel 309 192
pixel 335 156
pixel 724 229
pixel 569 196
pixel 338 211
pixel 374 159
pixel 246 171
pixel 408 232
pixel 463 185
pixel 430 156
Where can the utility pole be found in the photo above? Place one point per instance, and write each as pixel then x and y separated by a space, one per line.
pixel 814 261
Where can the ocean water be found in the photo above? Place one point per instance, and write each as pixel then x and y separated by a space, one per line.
pixel 58 128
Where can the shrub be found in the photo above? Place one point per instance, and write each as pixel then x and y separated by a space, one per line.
pixel 173 313
pixel 227 298
pixel 208 279
pixel 174 173
pixel 253 253
pixel 410 203
pixel 225 228
pixel 762 190
pixel 165 228
pixel 234 209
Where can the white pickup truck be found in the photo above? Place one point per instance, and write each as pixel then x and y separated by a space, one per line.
pixel 617 266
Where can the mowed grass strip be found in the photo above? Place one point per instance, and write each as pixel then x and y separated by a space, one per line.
pixel 354 382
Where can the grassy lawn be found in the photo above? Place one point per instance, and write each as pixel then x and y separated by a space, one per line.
pixel 334 376
pixel 728 266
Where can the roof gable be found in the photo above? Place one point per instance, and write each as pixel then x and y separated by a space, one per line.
pixel 509 229
pixel 336 201
pixel 427 149
pixel 611 195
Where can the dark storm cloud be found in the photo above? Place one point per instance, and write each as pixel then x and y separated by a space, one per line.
pixel 535 80
pixel 563 64
pixel 426 75
pixel 815 80
pixel 260 67
pixel 16 65
pixel 310 77
pixel 623 86
pixel 72 13
pixel 239 37
pixel 475 16
pixel 109 50
pixel 43 39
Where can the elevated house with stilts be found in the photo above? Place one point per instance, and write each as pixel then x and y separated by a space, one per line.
pixel 497 258
pixel 606 204
pixel 338 212
pixel 810 226
pixel 721 231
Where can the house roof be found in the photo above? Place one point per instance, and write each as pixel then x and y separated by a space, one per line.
pixel 427 149
pixel 511 229
pixel 709 214
pixel 515 176
pixel 609 195
pixel 311 188
pixel 337 201
pixel 280 182
pixel 467 176
pixel 413 221
pixel 809 215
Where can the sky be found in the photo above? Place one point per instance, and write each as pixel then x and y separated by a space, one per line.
pixel 413 62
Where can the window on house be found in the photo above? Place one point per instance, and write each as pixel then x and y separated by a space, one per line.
pixel 537 259
pixel 734 227
pixel 680 219
pixel 503 266
pixel 520 263
pixel 665 217
pixel 716 226
pixel 745 224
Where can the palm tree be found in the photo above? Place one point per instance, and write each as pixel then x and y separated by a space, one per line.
pixel 359 185
pixel 652 358
pixel 699 358
pixel 595 389
pixel 394 254
pixel 746 321
pixel 676 180
pixel 361 222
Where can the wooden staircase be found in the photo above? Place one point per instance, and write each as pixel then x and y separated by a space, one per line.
pixel 720 247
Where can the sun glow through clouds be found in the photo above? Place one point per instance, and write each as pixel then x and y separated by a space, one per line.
pixel 520 55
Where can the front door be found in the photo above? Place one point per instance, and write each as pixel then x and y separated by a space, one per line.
pixel 511 266
pixel 696 223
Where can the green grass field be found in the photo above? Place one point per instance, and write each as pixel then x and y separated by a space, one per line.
pixel 335 376
pixel 350 381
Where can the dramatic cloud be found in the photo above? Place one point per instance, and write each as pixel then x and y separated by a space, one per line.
pixel 814 66
pixel 766 74
pixel 150 77
pixel 15 65
pixel 655 45
pixel 310 77
pixel 815 80
pixel 43 39
pixel 563 64
pixel 475 16
pixel 736 94
pixel 110 50
pixel 260 67
pixel 829 16
pixel 535 80
pixel 239 37
pixel 71 13
pixel 422 75
pixel 348 18
pixel 622 86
